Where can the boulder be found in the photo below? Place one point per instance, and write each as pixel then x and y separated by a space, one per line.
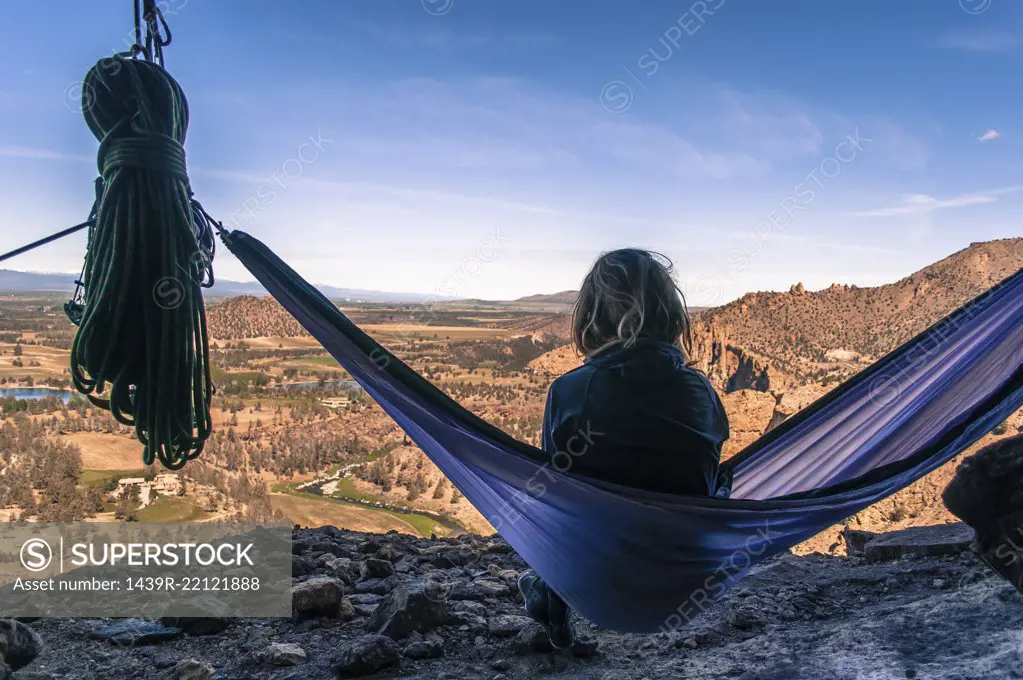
pixel 455 557
pixel 413 606
pixel 375 568
pixel 192 669
pixel 319 596
pixel 856 541
pixel 301 566
pixel 283 654
pixel 133 632
pixel 366 655
pixel 19 644
pixel 346 611
pixel 378 586
pixel 930 541
pixel 533 639
pixel 987 494
pixel 507 625
pixel 389 553
pixel 429 646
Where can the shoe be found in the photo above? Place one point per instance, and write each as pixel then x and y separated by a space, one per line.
pixel 545 607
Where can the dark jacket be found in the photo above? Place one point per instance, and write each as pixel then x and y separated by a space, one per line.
pixel 637 417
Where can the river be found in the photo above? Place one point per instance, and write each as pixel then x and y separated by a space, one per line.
pixel 316 487
pixel 36 393
pixel 350 384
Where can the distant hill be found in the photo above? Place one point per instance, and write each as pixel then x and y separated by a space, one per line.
pixel 11 280
pixel 801 333
pixel 776 340
pixel 36 281
pixel 564 297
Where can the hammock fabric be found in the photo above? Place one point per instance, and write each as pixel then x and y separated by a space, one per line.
pixel 637 561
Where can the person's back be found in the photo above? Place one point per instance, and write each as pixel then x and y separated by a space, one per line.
pixel 637 416
pixel 635 413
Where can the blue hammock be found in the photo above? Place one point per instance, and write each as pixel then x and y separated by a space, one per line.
pixel 638 561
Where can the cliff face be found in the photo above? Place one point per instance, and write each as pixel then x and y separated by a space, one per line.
pixel 730 367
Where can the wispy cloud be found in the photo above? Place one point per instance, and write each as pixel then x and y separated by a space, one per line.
pixel 979 41
pixel 509 123
pixel 41 154
pixel 858 248
pixel 773 124
pixel 989 135
pixel 804 241
pixel 915 204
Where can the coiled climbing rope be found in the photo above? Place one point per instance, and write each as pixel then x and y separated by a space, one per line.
pixel 142 349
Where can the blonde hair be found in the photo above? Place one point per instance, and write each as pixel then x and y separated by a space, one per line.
pixel 630 295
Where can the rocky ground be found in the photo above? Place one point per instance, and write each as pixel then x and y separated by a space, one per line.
pixel 915 604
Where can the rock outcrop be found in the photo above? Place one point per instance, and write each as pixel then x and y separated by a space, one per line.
pixel 900 614
pixel 987 494
pixel 749 414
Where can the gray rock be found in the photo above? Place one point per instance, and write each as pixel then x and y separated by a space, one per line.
pixel 132 632
pixel 585 648
pixel 377 586
pixel 375 568
pixel 346 611
pixel 369 546
pixel 932 541
pixel 319 596
pixel 744 618
pixel 466 619
pixel 283 654
pixel 197 625
pixel 192 669
pixel 389 553
pixel 19 644
pixel 987 494
pixel 366 655
pixel 491 588
pixel 856 540
pixel 455 557
pixel 470 607
pixel 507 625
pixel 429 646
pixel 301 566
pixel 497 547
pixel 334 565
pixel 460 590
pixel 413 606
pixel 533 639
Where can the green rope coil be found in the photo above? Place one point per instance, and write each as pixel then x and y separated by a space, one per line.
pixel 142 342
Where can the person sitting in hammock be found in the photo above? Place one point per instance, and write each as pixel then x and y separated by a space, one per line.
pixel 635 413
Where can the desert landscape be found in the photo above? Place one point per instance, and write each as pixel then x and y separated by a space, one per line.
pixel 395 573
pixel 296 439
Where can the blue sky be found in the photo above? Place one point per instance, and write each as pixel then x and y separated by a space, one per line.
pixel 493 149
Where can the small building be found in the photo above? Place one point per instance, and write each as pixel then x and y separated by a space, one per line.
pixel 166 484
pixel 335 402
